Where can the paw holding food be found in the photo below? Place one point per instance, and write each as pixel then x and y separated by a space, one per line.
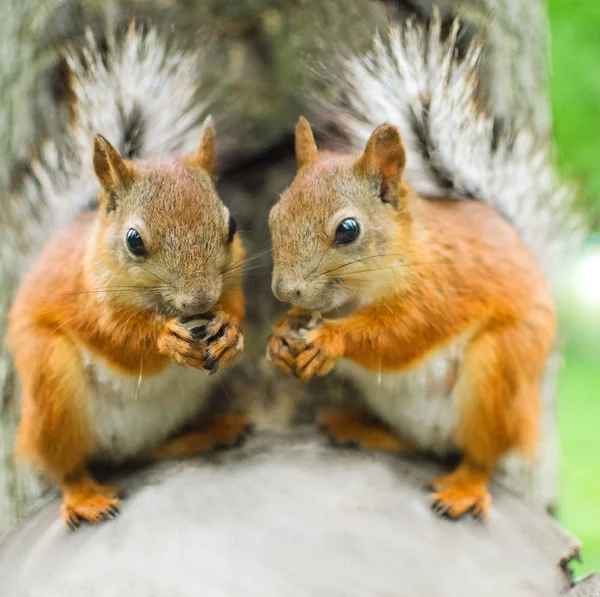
pixel 284 339
pixel 205 341
pixel 314 354
pixel 224 342
pixel 298 345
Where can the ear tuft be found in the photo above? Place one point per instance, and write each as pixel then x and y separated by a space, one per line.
pixel 112 170
pixel 204 156
pixel 306 148
pixel 384 156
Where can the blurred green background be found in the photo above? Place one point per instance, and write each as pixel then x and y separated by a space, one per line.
pixel 575 89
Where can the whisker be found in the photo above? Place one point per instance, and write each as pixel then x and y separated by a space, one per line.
pixel 374 298
pixel 64 323
pixel 363 271
pixel 117 289
pixel 127 305
pixel 320 261
pixel 248 259
pixel 153 273
pixel 361 259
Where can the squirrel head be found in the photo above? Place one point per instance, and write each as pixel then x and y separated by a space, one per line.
pixel 343 225
pixel 163 232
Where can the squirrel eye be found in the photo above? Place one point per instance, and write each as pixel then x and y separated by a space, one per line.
pixel 346 232
pixel 232 230
pixel 134 243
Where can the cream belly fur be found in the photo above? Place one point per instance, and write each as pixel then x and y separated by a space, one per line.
pixel 129 415
pixel 421 403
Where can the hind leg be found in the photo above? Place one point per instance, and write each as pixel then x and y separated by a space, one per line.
pixel 225 430
pixel 498 390
pixel 353 428
pixel 86 501
pixel 54 434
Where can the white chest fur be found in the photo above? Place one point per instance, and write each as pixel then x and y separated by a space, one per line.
pixel 420 403
pixel 129 414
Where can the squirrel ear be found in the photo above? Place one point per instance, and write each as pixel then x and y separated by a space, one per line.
pixel 384 156
pixel 306 148
pixel 111 169
pixel 204 157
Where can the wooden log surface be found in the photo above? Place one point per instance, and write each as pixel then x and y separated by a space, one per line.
pixel 289 515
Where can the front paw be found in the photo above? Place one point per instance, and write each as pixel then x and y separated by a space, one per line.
pixel 285 337
pixel 224 342
pixel 315 355
pixel 182 345
pixel 281 350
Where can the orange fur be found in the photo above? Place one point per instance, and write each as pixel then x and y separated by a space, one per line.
pixel 226 430
pixel 353 428
pixel 86 293
pixel 435 271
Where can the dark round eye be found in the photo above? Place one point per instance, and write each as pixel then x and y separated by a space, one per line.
pixel 134 243
pixel 232 230
pixel 346 232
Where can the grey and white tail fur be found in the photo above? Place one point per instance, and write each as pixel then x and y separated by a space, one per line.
pixel 416 81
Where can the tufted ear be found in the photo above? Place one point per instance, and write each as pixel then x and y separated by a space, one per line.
pixel 204 156
pixel 112 170
pixel 385 157
pixel 306 148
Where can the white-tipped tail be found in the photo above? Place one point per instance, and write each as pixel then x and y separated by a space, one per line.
pixel 418 83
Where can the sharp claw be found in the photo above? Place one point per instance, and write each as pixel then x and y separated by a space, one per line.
pixel 220 333
pixel 209 364
pixel 199 332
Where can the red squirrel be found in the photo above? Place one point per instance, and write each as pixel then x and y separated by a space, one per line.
pixel 402 284
pixel 104 329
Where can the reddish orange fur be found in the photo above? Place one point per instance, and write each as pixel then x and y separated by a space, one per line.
pixel 225 430
pixel 353 428
pixel 66 304
pixel 465 272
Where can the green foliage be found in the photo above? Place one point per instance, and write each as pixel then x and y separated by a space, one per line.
pixel 579 414
pixel 575 91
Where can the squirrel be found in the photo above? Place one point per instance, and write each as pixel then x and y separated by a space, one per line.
pixel 417 275
pixel 132 305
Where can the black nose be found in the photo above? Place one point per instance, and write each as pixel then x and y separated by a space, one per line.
pixel 286 289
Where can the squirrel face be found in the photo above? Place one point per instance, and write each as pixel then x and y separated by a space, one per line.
pixel 162 229
pixel 343 225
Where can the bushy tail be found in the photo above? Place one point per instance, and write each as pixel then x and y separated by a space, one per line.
pixel 137 91
pixel 417 82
